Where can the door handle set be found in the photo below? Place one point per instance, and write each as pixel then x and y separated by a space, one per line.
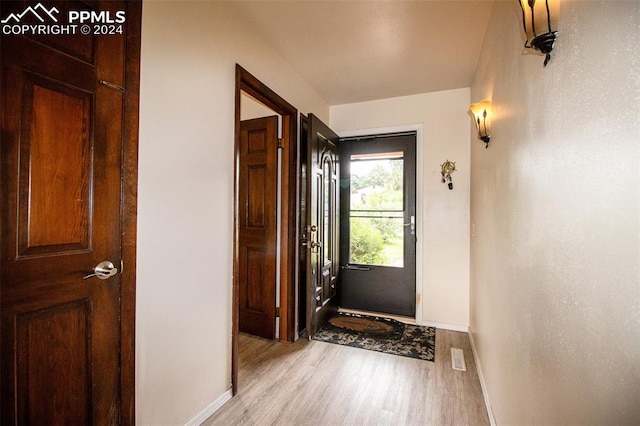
pixel 412 224
pixel 103 271
pixel 313 244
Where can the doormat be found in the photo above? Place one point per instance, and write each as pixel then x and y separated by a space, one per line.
pixel 379 334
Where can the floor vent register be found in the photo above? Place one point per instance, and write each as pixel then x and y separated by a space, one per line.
pixel 457 359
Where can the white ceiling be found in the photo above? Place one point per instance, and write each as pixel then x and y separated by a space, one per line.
pixel 352 51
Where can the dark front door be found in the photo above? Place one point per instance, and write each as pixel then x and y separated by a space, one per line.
pixel 378 224
pixel 257 226
pixel 322 174
pixel 61 160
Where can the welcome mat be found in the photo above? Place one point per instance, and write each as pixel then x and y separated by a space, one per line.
pixel 379 334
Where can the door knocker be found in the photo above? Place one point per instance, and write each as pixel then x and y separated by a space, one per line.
pixel 448 167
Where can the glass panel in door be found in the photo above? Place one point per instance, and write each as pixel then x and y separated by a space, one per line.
pixel 376 213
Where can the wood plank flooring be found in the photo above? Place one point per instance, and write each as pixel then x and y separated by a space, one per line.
pixel 318 383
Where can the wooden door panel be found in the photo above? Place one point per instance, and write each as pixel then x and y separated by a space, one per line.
pixel 46 174
pixel 60 195
pixel 257 139
pixel 256 271
pixel 257 296
pixel 55 163
pixel 57 339
pixel 257 228
pixel 256 197
pixel 64 327
pixel 80 47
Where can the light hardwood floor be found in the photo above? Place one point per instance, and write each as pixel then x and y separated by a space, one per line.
pixel 318 383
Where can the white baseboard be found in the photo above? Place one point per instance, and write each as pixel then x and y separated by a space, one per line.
pixel 212 408
pixel 445 326
pixel 485 393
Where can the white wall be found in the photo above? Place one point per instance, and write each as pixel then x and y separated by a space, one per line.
pixel 555 280
pixel 183 329
pixel 251 108
pixel 443 226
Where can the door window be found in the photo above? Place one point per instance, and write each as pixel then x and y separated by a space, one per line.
pixel 376 210
pixel 326 211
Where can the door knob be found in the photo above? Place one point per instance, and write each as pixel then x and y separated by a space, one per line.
pixel 315 246
pixel 103 270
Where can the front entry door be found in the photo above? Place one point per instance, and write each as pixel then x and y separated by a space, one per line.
pixel 322 225
pixel 258 185
pixel 378 224
pixel 63 99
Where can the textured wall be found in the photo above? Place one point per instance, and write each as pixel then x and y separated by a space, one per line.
pixel 555 281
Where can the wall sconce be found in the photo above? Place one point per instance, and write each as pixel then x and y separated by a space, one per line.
pixel 538 19
pixel 482 114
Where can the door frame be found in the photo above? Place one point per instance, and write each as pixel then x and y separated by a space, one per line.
pixel 129 214
pixel 419 129
pixel 248 83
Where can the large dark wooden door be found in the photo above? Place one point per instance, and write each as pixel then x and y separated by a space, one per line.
pixel 322 223
pixel 60 196
pixel 257 228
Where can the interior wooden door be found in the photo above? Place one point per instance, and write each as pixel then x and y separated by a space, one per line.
pixel 63 103
pixel 257 226
pixel 322 223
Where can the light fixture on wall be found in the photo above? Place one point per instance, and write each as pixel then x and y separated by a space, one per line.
pixel 482 115
pixel 539 18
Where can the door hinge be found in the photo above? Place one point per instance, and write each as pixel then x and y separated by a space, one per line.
pixel 280 143
pixel 278 311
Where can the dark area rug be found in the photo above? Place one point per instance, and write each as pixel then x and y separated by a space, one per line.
pixel 380 334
